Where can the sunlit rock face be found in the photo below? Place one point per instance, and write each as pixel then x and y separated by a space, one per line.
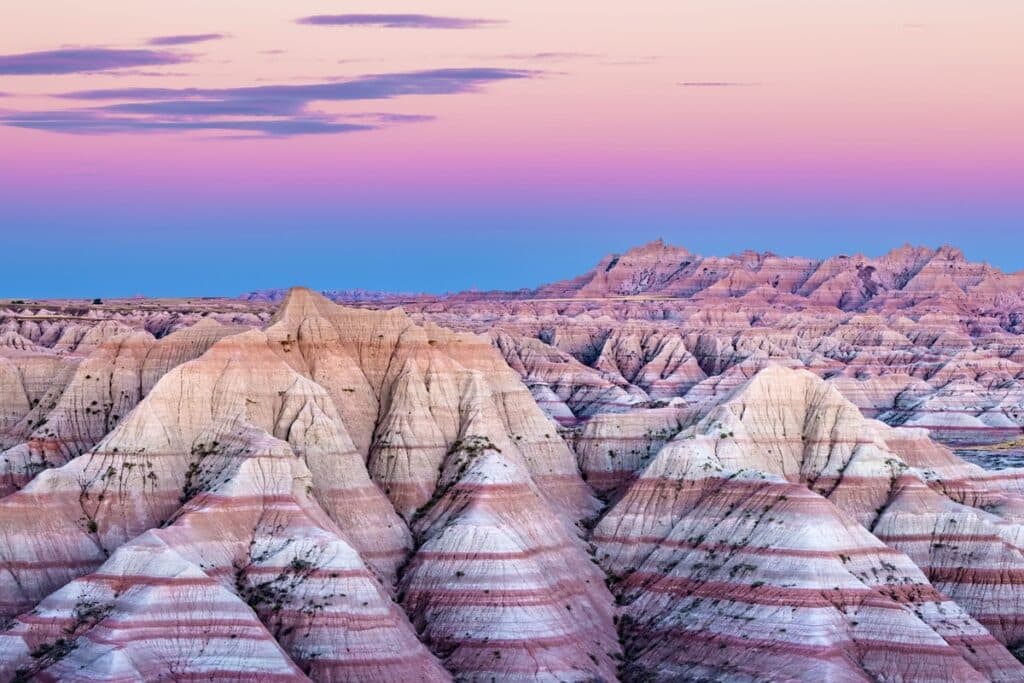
pixel 671 468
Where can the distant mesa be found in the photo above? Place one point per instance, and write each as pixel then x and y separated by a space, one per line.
pixel 848 282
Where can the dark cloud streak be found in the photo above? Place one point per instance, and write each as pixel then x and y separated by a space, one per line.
pixel 228 107
pixel 90 122
pixel 268 110
pixel 397 21
pixel 186 39
pixel 84 60
pixel 369 87
pixel 549 56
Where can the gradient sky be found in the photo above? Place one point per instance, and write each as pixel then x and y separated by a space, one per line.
pixel 204 147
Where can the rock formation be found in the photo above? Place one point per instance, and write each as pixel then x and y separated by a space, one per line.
pixel 673 467
pixel 784 503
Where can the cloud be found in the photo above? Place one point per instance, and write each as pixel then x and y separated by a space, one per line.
pixel 82 60
pixel 267 110
pixel 718 84
pixel 550 56
pixel 186 39
pixel 128 73
pixel 396 21
pixel 603 59
pixel 201 107
pixel 94 122
pixel 369 87
pixel 384 117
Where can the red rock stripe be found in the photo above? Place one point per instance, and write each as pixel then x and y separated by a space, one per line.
pixel 746 550
pixel 784 597
pixel 41 565
pixel 464 597
pixel 531 643
pixel 977 575
pixel 326 574
pixel 132 632
pixel 782 647
pixel 939 538
pixel 137 623
pixel 425 555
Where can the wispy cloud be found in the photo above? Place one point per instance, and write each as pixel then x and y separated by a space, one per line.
pixel 90 122
pixel 187 39
pixel 93 122
pixel 569 56
pixel 83 60
pixel 718 84
pixel 268 110
pixel 200 107
pixel 549 56
pixel 369 87
pixel 126 73
pixel 397 21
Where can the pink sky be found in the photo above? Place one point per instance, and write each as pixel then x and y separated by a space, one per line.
pixel 658 102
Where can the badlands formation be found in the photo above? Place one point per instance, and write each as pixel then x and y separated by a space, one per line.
pixel 670 468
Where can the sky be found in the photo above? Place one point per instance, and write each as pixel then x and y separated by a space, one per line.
pixel 205 147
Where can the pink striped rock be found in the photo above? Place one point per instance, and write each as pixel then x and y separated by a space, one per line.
pixel 95 394
pixel 170 448
pixel 499 587
pixel 260 538
pixel 741 476
pixel 613 448
pixel 744 574
pixel 658 363
pixel 147 614
pixel 408 391
pixel 562 386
